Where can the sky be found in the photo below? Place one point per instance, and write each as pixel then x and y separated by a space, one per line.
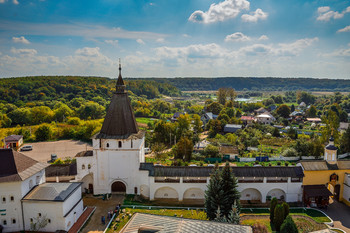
pixel 175 38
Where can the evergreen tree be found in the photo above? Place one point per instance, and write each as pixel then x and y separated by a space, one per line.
pixel 272 208
pixel 214 195
pixel 233 217
pixel 288 226
pixel 231 193
pixel 278 217
pixel 286 209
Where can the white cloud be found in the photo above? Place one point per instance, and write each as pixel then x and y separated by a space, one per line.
pixel 220 12
pixel 186 35
pixel 87 51
pixel 29 52
pixel 160 40
pixel 325 13
pixel 2 1
pixel 75 29
pixel 112 42
pixel 338 53
pixel 346 29
pixel 263 37
pixel 237 36
pixel 140 41
pixel 258 14
pixel 20 40
pixel 15 2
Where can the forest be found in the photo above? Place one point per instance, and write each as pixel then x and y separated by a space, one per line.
pixel 261 84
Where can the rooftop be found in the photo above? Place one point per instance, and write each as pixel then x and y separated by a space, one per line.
pixel 52 192
pixel 155 223
pixel 13 138
pixel 16 166
pixel 323 165
pixel 166 171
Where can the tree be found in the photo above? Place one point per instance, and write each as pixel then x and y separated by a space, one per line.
pixel 229 186
pixel 62 111
pixel 306 97
pixel 214 195
pixel 332 125
pixel 91 110
pixel 292 108
pixel 283 110
pixel 272 208
pixel 286 209
pixel 345 141
pixel 41 114
pixel 183 149
pixel 288 226
pixel 290 152
pixel 197 123
pixel 39 223
pixel 158 149
pixel 211 151
pixel 43 133
pixel 312 111
pixel 183 123
pixel 278 217
pixel 215 108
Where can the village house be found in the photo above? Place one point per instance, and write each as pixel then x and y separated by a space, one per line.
pixel 208 116
pixel 265 118
pixel 13 141
pixel 247 120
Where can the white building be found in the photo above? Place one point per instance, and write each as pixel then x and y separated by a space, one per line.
pixel 20 178
pixel 117 164
pixel 265 118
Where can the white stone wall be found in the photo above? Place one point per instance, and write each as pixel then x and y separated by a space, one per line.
pixel 346 192
pixel 13 209
pixel 61 214
pixel 292 191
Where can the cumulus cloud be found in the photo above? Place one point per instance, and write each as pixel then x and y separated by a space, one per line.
pixel 263 37
pixel 258 14
pixel 160 40
pixel 346 29
pixel 20 40
pixel 325 13
pixel 220 12
pixel 237 37
pixel 23 51
pixel 140 41
pixel 87 51
pixel 112 42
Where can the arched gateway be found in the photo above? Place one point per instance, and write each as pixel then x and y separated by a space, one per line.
pixel 118 187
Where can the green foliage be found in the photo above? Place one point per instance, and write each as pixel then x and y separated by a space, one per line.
pixel 288 226
pixel 345 141
pixel 91 110
pixel 278 217
pixel 272 208
pixel 290 152
pixel 43 133
pixel 286 209
pixel 229 186
pixel 211 151
pixel 306 97
pixel 283 110
pixel 214 195
pixel 214 107
pixel 183 149
pixel 311 112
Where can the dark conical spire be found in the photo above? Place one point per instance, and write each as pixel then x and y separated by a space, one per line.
pixel 120 87
pixel 120 121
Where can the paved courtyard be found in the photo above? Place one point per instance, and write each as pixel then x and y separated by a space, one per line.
pixel 102 207
pixel 340 213
pixel 65 148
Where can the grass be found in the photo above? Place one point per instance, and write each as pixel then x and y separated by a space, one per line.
pixel 312 213
pixel 144 120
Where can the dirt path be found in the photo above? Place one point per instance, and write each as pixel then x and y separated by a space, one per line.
pixel 102 207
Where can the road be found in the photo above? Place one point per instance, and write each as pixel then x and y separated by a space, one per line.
pixel 340 213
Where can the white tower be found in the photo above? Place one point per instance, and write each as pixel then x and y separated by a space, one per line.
pixel 119 147
pixel 330 151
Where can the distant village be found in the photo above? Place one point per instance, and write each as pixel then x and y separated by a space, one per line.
pixel 279 151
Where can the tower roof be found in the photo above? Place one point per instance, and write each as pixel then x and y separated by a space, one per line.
pixel 120 120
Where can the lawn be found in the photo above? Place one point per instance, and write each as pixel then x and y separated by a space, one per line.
pixel 144 120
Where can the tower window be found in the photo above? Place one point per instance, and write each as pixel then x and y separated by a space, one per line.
pixel 3 199
pixel 120 144
pixel 39 214
pixel 13 221
pixel 107 145
pixel 89 166
pixel 49 220
pixel 83 166
pixel 131 143
pixel 12 198
pixel 4 222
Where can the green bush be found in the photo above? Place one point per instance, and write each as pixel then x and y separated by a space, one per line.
pixel 288 226
pixel 278 217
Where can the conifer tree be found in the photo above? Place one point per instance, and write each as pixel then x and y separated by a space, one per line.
pixel 214 195
pixel 278 217
pixel 231 194
pixel 286 209
pixel 272 208
pixel 289 226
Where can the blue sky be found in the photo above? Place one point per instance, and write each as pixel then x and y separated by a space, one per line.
pixel 174 38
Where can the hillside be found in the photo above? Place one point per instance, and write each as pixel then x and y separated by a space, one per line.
pixel 68 87
pixel 266 84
